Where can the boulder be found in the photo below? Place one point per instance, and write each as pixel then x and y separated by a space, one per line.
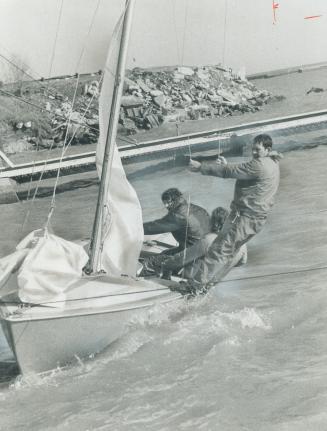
pixel 187 71
pixel 178 76
pixel 131 101
pixel 130 85
pixel 203 74
pixel 156 93
pixel 160 100
pixel 143 86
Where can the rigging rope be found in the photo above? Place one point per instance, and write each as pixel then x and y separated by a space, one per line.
pixel 31 201
pixel 52 205
pixel 51 90
pixel 188 206
pixel 18 67
pixel 173 4
pixel 42 109
pixel 56 37
pixel 276 274
pixel 36 80
pixel 225 31
pixel 65 147
pixel 184 34
pixel 87 35
pixel 45 165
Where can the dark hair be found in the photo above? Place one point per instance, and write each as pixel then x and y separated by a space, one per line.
pixel 172 194
pixel 218 217
pixel 265 140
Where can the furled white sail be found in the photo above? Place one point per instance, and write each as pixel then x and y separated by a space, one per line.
pixel 46 266
pixel 122 227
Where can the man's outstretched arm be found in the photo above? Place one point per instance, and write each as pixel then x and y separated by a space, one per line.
pixel 168 223
pixel 220 168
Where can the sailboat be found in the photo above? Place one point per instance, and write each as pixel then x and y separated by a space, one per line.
pixel 59 302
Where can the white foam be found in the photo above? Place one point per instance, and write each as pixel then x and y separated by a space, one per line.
pixel 128 345
pixel 248 318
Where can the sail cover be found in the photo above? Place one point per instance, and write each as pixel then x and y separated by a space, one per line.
pixel 122 227
pixel 46 266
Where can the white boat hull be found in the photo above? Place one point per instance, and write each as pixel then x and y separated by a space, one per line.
pixel 47 336
pixel 43 345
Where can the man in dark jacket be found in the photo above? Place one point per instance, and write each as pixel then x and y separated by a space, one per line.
pixel 187 222
pixel 185 263
pixel 256 185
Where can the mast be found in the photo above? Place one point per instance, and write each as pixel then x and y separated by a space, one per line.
pixel 94 250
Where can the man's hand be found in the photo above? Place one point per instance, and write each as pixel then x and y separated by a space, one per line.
pixel 221 160
pixel 194 166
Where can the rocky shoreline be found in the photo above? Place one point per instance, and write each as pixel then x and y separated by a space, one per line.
pixel 186 93
pixel 44 115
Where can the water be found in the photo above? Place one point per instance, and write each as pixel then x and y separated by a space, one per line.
pixel 251 355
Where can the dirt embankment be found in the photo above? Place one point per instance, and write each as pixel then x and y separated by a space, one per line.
pixel 42 114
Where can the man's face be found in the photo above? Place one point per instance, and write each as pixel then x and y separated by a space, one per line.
pixel 259 151
pixel 168 203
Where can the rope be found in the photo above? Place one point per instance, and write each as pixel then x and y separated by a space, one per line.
pixel 179 58
pixel 87 35
pixel 46 161
pixel 67 145
pixel 31 202
pixel 52 205
pixel 56 37
pixel 276 274
pixel 42 109
pixel 184 33
pixel 299 271
pixel 17 67
pixel 45 165
pixel 188 209
pixel 225 31
pixel 21 99
pixel 81 299
pixel 50 89
pixel 187 225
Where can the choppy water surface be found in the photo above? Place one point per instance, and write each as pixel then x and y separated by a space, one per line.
pixel 251 355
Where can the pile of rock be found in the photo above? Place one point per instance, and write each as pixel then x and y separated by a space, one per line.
pixel 65 122
pixel 185 93
pixel 150 98
pixel 78 124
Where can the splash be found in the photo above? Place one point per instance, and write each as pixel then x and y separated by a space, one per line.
pixel 127 346
pixel 248 318
pixel 34 380
pixel 158 315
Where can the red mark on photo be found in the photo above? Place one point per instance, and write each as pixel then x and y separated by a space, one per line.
pixel 312 17
pixel 274 7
